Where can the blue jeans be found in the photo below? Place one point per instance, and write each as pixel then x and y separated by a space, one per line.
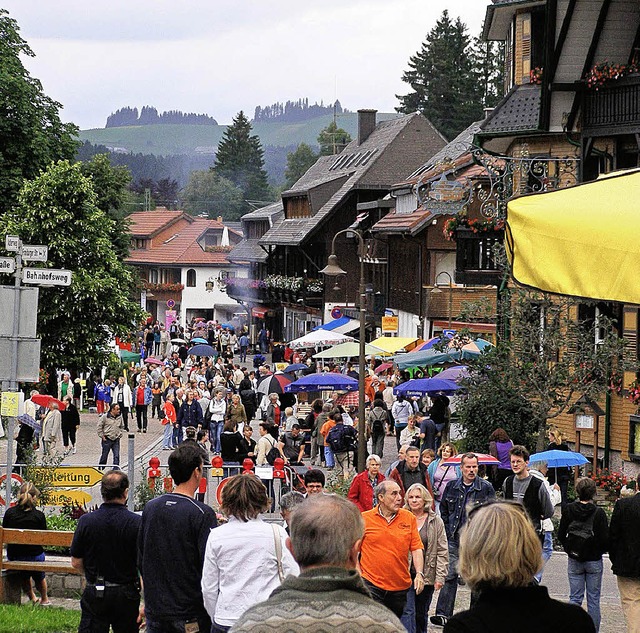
pixel 176 435
pixel 167 438
pixel 587 574
pixel 328 457
pixel 547 550
pixel 447 597
pixel 415 615
pixel 107 447
pixel 215 431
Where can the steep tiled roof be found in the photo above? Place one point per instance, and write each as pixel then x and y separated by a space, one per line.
pixel 354 162
pixel 147 223
pixel 519 111
pixel 249 250
pixel 180 248
pixel 264 212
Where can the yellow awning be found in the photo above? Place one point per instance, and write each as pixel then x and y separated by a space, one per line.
pixel 580 241
pixel 392 344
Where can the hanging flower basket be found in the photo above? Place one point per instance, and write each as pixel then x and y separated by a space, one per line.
pixel 452 225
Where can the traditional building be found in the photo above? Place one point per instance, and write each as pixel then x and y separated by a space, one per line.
pixel 183 264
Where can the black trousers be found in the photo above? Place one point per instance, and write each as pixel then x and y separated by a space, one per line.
pixel 395 601
pixel 141 416
pixel 118 608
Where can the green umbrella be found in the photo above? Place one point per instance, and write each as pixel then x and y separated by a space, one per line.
pixel 129 357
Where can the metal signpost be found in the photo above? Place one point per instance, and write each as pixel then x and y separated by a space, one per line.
pixel 18 316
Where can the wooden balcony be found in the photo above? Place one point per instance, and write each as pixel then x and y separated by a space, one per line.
pixel 612 109
pixel 476 263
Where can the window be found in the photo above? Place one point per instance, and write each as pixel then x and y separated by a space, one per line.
pixel 191 278
pixel 153 276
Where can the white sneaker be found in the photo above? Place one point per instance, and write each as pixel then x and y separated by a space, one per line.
pixel 74 450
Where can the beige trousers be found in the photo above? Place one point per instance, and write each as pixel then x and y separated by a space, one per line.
pixel 629 589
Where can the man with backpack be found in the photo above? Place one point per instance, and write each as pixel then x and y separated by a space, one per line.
pixel 376 421
pixel 583 533
pixel 342 441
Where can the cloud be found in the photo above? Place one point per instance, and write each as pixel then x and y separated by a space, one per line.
pixel 220 56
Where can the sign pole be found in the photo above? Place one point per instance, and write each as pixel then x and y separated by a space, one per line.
pixel 13 382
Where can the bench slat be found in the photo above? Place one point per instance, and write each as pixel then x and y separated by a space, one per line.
pixel 35 537
pixel 51 567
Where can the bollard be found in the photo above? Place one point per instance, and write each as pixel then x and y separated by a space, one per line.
pixel 248 466
pixel 216 466
pixel 131 470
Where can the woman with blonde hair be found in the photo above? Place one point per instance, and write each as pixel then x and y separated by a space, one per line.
pixel 24 516
pixel 440 473
pixel 235 576
pixel 499 555
pixel 418 500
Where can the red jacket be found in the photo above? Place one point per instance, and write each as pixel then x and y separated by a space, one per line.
pixel 361 490
pixel 398 471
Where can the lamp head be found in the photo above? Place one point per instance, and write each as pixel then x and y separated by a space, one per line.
pixel 332 269
pixel 435 290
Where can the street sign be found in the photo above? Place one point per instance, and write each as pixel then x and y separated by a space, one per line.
pixel 32 253
pixel 7 265
pixel 10 406
pixel 46 276
pixel 28 311
pixel 68 497
pixel 16 482
pixel 75 477
pixel 11 243
pixel 28 359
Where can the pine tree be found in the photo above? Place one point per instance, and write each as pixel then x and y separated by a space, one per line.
pixel 240 159
pixel 488 62
pixel 298 162
pixel 441 75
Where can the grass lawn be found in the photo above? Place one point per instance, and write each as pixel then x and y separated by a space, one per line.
pixel 31 619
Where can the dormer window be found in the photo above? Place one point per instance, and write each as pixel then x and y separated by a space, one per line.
pixel 297 207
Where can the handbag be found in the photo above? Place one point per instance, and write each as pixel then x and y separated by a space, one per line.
pixel 278 543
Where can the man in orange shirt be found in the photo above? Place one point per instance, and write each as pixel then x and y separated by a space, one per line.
pixel 391 533
pixel 324 431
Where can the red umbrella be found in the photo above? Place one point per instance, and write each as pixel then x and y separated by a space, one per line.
pixel 43 400
pixel 274 383
pixel 349 399
pixel 383 367
pixel 483 458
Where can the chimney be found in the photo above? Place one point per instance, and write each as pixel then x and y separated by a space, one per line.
pixel 220 219
pixel 366 124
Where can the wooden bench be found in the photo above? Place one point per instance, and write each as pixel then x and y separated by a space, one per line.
pixel 10 584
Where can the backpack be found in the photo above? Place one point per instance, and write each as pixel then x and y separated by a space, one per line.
pixel 273 454
pixel 377 423
pixel 579 537
pixel 339 439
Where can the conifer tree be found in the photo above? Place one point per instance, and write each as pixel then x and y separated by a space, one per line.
pixel 298 162
pixel 333 139
pixel 441 74
pixel 240 159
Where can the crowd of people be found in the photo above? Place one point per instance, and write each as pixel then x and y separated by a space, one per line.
pixel 376 559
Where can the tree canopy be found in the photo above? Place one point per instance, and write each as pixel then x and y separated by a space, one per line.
pixel 31 132
pixel 333 139
pixel 240 159
pixel 448 77
pixel 298 163
pixel 208 192
pixel 60 208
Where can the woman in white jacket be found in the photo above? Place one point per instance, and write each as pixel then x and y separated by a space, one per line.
pixel 236 577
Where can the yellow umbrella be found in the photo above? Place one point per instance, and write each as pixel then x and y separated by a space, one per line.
pixel 392 344
pixel 580 241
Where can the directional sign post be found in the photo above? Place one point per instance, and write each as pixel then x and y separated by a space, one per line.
pixel 32 253
pixel 7 265
pixel 46 276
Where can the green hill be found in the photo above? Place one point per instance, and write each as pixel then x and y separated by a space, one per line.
pixel 165 140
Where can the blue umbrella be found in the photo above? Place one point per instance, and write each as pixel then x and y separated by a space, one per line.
pixel 294 367
pixel 25 418
pixel 426 358
pixel 228 326
pixel 199 339
pixel 203 350
pixel 420 386
pixel 559 459
pixel 323 382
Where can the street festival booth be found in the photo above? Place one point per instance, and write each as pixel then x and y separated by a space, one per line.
pixel 578 241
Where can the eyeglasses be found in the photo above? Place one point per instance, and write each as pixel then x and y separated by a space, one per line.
pixel 491 502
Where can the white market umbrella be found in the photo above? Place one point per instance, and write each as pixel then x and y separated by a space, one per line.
pixel 350 349
pixel 319 338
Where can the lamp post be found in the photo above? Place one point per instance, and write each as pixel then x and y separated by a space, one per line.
pixel 436 290
pixel 332 269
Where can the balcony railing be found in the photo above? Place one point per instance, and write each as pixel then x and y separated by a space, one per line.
pixel 276 289
pixel 476 262
pixel 612 106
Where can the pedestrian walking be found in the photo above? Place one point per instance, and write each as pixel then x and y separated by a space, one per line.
pixel 110 429
pixel 70 423
pixel 364 483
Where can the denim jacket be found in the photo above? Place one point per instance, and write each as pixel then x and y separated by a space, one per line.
pixel 452 508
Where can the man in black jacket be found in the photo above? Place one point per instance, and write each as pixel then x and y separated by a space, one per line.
pixel 624 553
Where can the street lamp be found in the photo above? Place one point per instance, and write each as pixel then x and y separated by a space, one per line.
pixel 332 269
pixel 436 290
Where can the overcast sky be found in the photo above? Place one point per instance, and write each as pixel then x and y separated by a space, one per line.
pixel 220 56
